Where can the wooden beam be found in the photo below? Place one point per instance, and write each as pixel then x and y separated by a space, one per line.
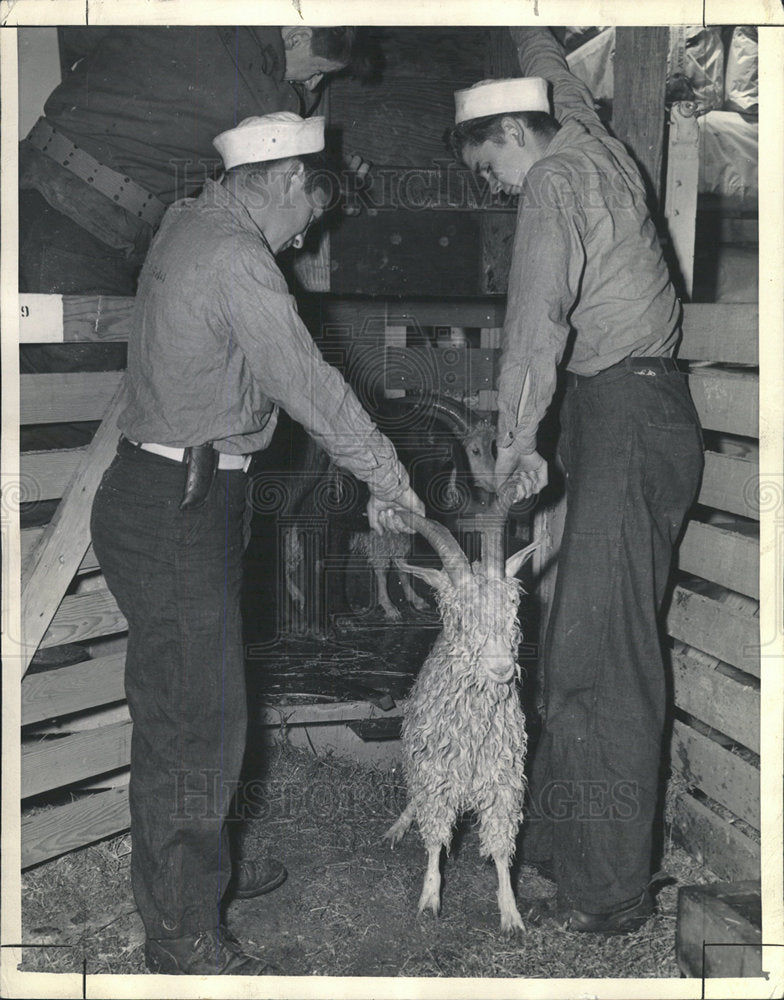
pixel 66 538
pixel 638 107
pixel 683 165
pixel 715 842
pixel 726 401
pixel 73 318
pixel 730 484
pixel 718 700
pixel 89 684
pixel 714 332
pixel 30 537
pixel 52 832
pixel 64 760
pixel 84 617
pixel 715 628
pixel 722 775
pixel 66 396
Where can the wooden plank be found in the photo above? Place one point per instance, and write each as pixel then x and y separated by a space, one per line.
pixel 66 396
pixel 74 318
pixel 97 317
pixel 638 108
pixel 30 537
pixel 719 929
pixel 730 484
pixel 726 401
pixel 683 163
pixel 66 538
pixel 45 475
pixel 722 556
pixel 52 832
pixel 319 714
pixel 714 842
pixel 711 331
pixel 719 701
pixel 81 686
pixel 360 316
pixel 716 629
pixel 84 617
pixel 723 776
pixel 726 333
pixel 63 760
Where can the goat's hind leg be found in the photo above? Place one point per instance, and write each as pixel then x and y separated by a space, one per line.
pixel 431 890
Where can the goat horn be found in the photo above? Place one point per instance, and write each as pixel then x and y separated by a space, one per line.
pixel 454 560
pixel 461 417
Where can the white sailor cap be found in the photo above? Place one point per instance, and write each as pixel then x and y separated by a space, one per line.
pixel 270 137
pixel 497 97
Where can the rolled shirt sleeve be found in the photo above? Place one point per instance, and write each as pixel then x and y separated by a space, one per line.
pixel 548 261
pixel 291 372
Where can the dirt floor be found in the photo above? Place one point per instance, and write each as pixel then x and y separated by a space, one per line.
pixel 348 907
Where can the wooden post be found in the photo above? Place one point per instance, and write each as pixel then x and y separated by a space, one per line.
pixel 638 105
pixel 680 196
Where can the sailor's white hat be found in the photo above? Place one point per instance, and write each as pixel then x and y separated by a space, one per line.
pixel 270 137
pixel 496 97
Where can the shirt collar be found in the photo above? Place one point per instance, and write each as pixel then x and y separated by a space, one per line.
pixel 216 195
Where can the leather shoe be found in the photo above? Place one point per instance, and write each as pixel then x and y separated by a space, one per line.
pixel 623 919
pixel 255 877
pixel 208 953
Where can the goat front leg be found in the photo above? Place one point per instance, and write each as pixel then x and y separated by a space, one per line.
pixel 431 890
pixel 510 915
pixel 399 828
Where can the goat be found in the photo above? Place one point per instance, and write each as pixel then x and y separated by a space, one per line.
pixel 464 736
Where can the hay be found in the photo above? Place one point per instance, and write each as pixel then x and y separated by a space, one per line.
pixel 349 905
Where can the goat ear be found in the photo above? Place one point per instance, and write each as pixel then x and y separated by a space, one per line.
pixel 434 578
pixel 513 563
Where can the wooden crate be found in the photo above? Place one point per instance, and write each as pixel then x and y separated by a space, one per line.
pixel 719 930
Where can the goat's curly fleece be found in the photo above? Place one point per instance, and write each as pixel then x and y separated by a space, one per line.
pixel 464 738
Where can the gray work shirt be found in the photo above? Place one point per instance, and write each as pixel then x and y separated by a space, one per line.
pixel 216 344
pixel 588 277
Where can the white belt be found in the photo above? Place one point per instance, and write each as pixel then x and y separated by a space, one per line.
pixel 178 455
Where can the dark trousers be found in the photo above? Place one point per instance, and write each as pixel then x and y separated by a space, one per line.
pixel 176 576
pixel 632 450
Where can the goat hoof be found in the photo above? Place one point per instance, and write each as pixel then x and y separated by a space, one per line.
pixel 512 924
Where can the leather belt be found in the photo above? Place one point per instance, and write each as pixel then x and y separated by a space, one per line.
pixel 227 462
pixel 639 366
pixel 122 190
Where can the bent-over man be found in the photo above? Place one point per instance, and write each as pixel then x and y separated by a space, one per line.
pixel 216 346
pixel 589 289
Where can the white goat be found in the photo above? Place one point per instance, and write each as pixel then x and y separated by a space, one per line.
pixel 464 738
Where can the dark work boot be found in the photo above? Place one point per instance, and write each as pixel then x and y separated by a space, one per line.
pixel 254 877
pixel 205 954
